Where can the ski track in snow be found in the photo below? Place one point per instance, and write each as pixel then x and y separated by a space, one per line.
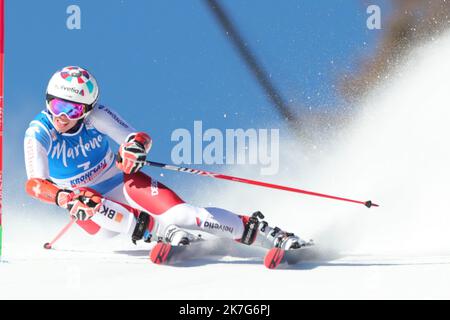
pixel 395 152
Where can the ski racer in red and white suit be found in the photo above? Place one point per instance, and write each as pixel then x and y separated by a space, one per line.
pixel 69 163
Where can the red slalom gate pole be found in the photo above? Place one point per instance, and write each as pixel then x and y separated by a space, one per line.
pixel 49 245
pixel 368 203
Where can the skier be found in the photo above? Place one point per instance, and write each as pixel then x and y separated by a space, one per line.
pixel 69 162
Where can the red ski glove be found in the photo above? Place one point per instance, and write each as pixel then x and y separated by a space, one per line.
pixel 133 153
pixel 82 203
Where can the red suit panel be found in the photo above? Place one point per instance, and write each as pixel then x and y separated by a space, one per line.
pixel 149 194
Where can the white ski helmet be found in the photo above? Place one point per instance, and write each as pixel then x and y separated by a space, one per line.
pixel 74 84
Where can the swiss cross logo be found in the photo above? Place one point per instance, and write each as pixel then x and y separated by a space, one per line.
pixel 37 190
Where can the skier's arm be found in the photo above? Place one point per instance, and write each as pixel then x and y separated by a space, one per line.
pixel 81 203
pixel 110 123
pixel 37 144
pixel 134 145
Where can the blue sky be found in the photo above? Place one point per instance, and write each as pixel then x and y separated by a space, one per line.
pixel 163 64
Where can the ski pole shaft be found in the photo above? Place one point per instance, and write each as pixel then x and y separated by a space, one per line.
pixel 49 245
pixel 368 203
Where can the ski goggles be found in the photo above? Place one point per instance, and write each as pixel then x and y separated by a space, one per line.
pixel 72 110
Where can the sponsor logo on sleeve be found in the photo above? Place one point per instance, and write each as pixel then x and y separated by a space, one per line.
pixel 111 214
pixel 218 226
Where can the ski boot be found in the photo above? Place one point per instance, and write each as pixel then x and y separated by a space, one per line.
pixel 172 234
pixel 172 246
pixel 259 233
pixel 141 230
pixel 177 236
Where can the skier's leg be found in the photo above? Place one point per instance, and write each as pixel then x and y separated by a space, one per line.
pixel 218 222
pixel 115 217
pixel 222 223
pixel 171 212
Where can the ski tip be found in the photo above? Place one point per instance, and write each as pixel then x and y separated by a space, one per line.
pixel 160 253
pixel 47 246
pixel 273 258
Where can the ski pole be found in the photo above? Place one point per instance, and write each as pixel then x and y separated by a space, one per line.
pixel 368 203
pixel 48 245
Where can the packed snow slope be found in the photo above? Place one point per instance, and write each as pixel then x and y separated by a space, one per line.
pixel 395 152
